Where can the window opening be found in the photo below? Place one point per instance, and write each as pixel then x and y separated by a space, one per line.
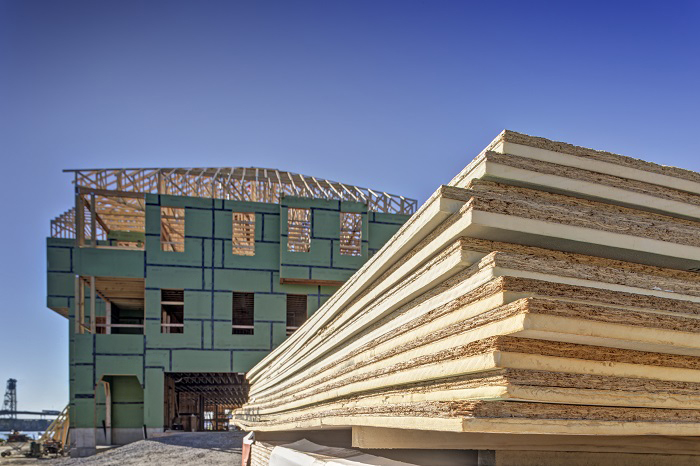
pixel 172 229
pixel 350 234
pixel 298 230
pixel 101 324
pixel 296 311
pixel 243 313
pixel 172 304
pixel 243 238
pixel 116 306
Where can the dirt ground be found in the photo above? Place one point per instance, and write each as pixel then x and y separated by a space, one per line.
pixel 209 448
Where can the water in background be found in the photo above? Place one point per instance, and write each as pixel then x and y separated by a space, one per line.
pixel 33 435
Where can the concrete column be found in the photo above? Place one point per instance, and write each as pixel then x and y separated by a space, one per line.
pixel 83 442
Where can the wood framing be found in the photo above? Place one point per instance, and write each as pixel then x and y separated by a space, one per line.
pixel 118 194
pixel 243 237
pixel 350 234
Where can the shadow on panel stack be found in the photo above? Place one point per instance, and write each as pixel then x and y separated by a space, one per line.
pixel 542 308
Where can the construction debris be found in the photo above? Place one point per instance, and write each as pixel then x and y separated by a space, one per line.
pixel 548 290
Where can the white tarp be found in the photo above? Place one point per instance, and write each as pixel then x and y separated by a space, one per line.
pixel 305 453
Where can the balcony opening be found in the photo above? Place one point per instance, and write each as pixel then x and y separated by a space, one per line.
pixel 172 229
pixel 172 316
pixel 243 238
pixel 118 306
pixel 296 311
pixel 243 322
pixel 350 234
pixel 298 230
pixel 104 219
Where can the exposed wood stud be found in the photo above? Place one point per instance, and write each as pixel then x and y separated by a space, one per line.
pixel 117 195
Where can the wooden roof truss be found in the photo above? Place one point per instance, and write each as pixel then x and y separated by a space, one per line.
pixel 350 234
pixel 118 194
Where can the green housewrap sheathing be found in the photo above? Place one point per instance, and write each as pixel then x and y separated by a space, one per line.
pixel 208 272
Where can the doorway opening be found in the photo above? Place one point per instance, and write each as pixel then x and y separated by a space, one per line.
pixel 202 401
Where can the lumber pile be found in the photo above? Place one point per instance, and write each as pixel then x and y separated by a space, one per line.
pixel 548 289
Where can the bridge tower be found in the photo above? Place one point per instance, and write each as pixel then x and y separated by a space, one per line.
pixel 10 403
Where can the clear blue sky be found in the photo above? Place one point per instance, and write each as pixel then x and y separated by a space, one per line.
pixel 393 95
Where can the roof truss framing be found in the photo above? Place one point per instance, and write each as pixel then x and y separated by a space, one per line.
pixel 118 193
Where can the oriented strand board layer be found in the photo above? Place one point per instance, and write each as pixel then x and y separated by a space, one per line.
pixel 569 155
pixel 653 191
pixel 331 381
pixel 457 292
pixel 512 306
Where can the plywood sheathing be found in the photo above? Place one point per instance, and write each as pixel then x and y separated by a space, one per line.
pixel 586 154
pixel 352 360
pixel 455 329
pixel 572 173
pixel 487 354
pixel 552 261
pixel 527 203
pixel 454 301
pixel 463 322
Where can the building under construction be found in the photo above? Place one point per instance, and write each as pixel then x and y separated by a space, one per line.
pixel 177 281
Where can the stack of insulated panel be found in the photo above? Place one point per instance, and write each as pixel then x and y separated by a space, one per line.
pixel 549 289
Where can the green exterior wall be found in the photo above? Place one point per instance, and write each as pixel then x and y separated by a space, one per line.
pixel 209 272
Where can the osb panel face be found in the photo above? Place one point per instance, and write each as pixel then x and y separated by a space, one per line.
pixel 500 410
pixel 560 308
pixel 598 268
pixel 599 313
pixel 603 297
pixel 612 315
pixel 566 148
pixel 434 338
pixel 549 168
pixel 346 376
pixel 523 202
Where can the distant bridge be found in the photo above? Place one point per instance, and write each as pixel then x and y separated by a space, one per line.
pixel 24 425
pixel 9 413
pixel 9 421
pixel 13 414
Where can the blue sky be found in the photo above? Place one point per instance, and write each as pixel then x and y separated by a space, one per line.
pixel 391 95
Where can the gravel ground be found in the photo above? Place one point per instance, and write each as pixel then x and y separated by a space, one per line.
pixel 210 448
